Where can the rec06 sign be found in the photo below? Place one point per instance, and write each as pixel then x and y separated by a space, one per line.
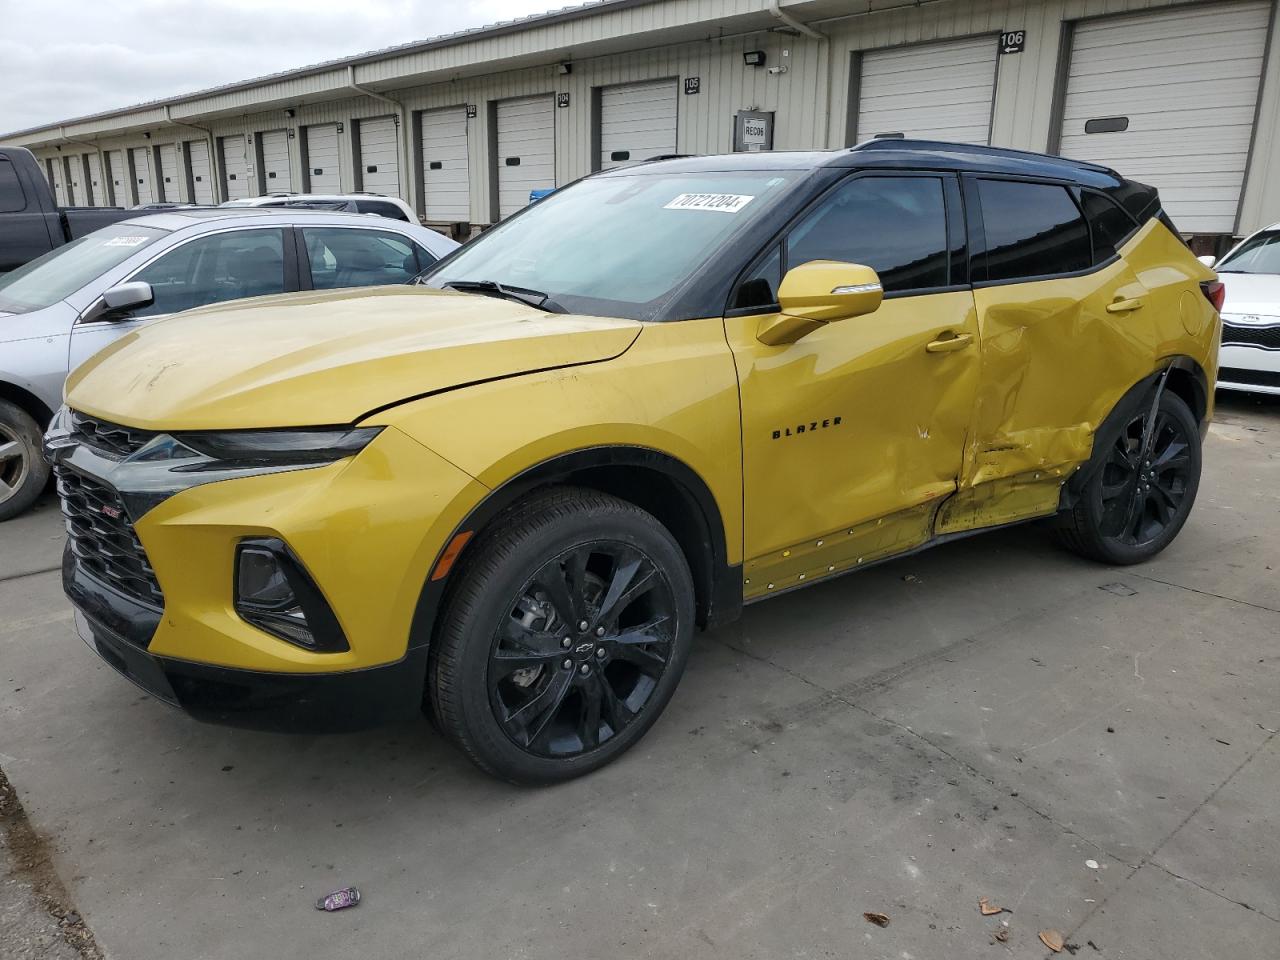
pixel 1013 41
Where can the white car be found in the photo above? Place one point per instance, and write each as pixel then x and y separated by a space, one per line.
pixel 375 203
pixel 1250 357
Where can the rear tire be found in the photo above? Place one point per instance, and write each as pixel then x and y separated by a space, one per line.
pixel 564 639
pixel 1133 506
pixel 23 471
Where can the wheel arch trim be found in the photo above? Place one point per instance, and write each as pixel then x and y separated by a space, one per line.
pixel 718 583
pixel 1181 374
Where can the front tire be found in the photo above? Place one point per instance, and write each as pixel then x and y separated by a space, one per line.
pixel 1137 501
pixel 23 471
pixel 564 639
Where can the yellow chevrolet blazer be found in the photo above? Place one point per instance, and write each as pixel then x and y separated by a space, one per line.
pixel 509 492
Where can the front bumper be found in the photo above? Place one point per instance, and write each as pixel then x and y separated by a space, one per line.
pixel 366 530
pixel 119 629
pixel 1249 368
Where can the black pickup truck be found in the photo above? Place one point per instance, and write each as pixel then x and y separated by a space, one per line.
pixel 31 222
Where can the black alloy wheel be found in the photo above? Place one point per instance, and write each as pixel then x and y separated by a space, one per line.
pixel 582 649
pixel 565 630
pixel 1145 479
pixel 1137 501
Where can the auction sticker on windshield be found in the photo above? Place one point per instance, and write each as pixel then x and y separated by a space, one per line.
pixel 718 202
pixel 126 241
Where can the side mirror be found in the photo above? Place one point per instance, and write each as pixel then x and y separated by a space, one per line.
pixel 126 295
pixel 1208 260
pixel 817 293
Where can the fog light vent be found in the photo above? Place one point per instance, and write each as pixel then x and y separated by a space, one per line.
pixel 275 594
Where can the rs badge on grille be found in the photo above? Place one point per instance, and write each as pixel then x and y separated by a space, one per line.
pixel 110 511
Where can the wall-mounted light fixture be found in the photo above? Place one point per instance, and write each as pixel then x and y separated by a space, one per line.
pixel 565 68
pixel 754 58
pixel 289 113
pixel 146 135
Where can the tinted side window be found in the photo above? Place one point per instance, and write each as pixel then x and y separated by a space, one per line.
pixel 12 199
pixel 895 225
pixel 382 209
pixel 1032 229
pixel 1110 225
pixel 214 269
pixel 342 257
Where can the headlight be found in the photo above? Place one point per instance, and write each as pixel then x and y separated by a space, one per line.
pixel 307 446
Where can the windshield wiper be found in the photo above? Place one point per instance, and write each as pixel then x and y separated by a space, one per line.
pixel 534 298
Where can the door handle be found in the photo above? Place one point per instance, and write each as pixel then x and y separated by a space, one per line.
pixel 949 344
pixel 1124 306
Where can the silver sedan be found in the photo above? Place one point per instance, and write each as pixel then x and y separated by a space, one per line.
pixel 59 310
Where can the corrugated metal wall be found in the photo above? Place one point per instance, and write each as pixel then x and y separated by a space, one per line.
pixel 810 99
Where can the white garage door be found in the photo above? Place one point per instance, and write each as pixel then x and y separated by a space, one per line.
pixel 637 121
pixel 142 173
pixel 53 167
pixel 169 173
pixel 1168 99
pixel 446 181
pixel 936 91
pixel 322 159
pixel 97 192
pixel 119 178
pixel 72 173
pixel 235 166
pixel 201 174
pixel 275 161
pixel 526 150
pixel 379 157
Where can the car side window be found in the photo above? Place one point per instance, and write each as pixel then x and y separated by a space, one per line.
pixel 12 197
pixel 1110 225
pixel 895 225
pixel 382 208
pixel 1032 230
pixel 214 269
pixel 342 257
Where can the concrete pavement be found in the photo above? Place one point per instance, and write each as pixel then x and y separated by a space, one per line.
pixel 983 719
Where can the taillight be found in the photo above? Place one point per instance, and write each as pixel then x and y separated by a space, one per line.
pixel 1215 291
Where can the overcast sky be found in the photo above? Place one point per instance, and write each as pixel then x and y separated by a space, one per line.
pixel 67 58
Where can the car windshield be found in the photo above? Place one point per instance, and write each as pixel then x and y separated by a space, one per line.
pixel 1258 254
pixel 59 273
pixel 619 245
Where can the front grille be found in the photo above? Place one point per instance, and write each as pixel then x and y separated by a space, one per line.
pixel 1238 335
pixel 102 537
pixel 109 438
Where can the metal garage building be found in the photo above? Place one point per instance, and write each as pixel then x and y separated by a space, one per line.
pixel 1185 95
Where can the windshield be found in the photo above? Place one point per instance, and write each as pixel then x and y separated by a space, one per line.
pixel 61 272
pixel 618 246
pixel 1258 254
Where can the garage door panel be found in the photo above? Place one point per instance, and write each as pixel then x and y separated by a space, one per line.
pixel 526 130
pixel 1187 80
pixel 201 172
pixel 169 172
pixel 276 173
pixel 323 173
pixel 637 121
pixel 235 166
pixel 446 172
pixel 379 149
pixel 97 182
pixel 935 90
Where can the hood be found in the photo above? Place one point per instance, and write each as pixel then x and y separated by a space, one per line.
pixel 1256 294
pixel 326 358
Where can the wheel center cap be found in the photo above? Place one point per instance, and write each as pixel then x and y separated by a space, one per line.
pixel 584 649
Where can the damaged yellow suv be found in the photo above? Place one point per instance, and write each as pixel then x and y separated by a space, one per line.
pixel 510 491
